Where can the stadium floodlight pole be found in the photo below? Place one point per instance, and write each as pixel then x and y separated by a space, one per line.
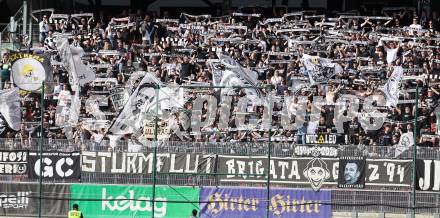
pixel 25 17
pixel 269 151
pixel 414 182
pixel 30 24
pixel 156 117
pixel 40 151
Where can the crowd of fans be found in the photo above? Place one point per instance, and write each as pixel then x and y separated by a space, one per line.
pixel 176 51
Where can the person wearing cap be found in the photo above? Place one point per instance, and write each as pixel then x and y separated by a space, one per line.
pixel 75 212
pixel 193 213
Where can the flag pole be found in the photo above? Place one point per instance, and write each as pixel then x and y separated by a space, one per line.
pixel 40 151
pixel 155 144
pixel 269 145
pixel 414 172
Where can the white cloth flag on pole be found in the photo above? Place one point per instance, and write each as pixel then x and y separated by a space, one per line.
pixel 71 57
pixel 235 75
pixel 392 87
pixel 75 107
pixel 320 69
pixel 406 141
pixel 10 107
pixel 74 111
pixel 141 105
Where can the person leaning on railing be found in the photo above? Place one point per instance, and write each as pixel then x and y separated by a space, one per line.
pixel 43 28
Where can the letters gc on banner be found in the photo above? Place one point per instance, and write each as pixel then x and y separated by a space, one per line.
pixel 55 165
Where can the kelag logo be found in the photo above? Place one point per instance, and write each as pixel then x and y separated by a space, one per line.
pixel 133 201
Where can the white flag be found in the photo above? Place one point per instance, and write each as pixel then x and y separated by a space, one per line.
pixel 320 69
pixel 75 107
pixel 235 75
pixel 406 141
pixel 92 106
pixel 392 87
pixel 10 107
pixel 71 57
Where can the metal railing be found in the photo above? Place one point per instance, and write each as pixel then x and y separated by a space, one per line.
pixel 220 148
pixel 15 27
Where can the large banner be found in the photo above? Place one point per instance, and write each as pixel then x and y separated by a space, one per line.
pixel 54 165
pixel 313 171
pixel 134 201
pixel 30 70
pixel 428 175
pixel 13 162
pixel 21 199
pixel 251 202
pixel 142 163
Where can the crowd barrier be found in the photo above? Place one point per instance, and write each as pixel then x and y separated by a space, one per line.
pixel 278 149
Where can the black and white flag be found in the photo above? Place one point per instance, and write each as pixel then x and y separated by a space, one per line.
pixel 319 69
pixel 352 172
pixel 30 70
pixel 234 75
pixel 54 165
pixel 141 105
pixel 406 141
pixel 128 120
pixel 10 107
pixel 392 87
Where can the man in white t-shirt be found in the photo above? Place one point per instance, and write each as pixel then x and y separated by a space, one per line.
pixel 43 29
pixel 414 25
pixel 64 97
pixel 391 49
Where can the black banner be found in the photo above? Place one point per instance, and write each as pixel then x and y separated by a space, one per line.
pixel 314 171
pixel 13 162
pixel 428 175
pixel 55 165
pixel 352 172
pixel 142 163
pixel 21 199
pixel 324 139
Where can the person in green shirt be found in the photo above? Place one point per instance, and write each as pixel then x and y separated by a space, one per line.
pixel 5 71
pixel 75 212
